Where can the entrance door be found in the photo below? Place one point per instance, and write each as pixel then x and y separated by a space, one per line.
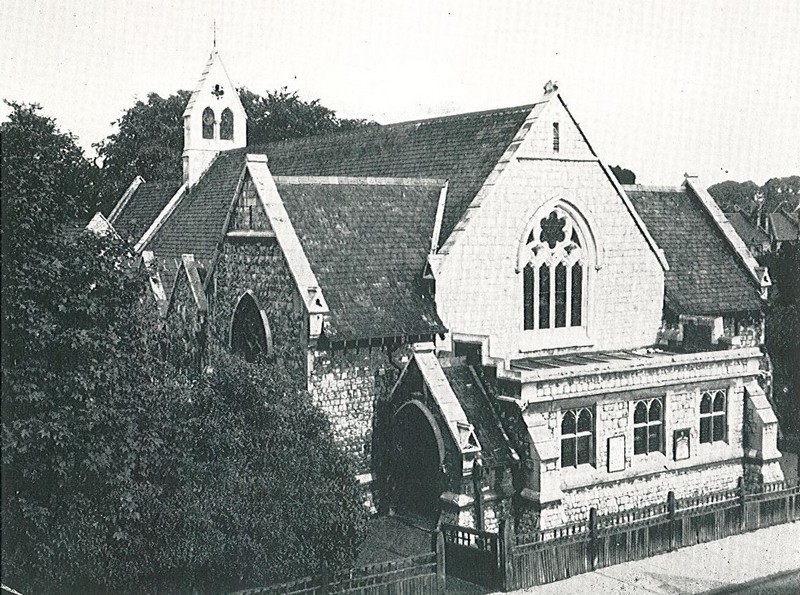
pixel 416 464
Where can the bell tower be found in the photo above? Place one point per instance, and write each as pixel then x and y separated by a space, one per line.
pixel 214 120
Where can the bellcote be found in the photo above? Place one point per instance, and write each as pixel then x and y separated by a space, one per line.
pixel 214 120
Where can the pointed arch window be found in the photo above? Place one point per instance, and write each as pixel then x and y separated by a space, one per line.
pixel 648 426
pixel 208 123
pixel 577 437
pixel 250 333
pixel 713 417
pixel 226 125
pixel 554 276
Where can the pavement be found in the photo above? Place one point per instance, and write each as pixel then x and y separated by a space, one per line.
pixel 764 561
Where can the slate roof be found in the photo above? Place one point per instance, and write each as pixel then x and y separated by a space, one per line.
pixel 463 149
pixel 367 244
pixel 495 449
pixel 143 207
pixel 705 276
pixel 747 230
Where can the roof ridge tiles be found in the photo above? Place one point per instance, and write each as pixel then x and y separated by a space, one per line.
pixel 652 188
pixel 360 180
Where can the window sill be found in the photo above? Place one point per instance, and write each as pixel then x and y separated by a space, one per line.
pixel 554 338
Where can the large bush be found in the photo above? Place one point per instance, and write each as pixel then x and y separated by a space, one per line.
pixel 119 472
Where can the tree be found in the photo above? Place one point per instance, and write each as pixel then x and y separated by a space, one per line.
pixel 624 176
pixel 149 139
pixel 119 472
pixel 735 196
pixel 782 331
pixel 148 143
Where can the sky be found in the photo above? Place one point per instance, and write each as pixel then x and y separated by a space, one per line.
pixel 709 88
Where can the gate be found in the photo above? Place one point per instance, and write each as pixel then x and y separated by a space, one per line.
pixel 472 555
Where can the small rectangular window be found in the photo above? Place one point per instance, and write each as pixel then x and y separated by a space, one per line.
pixel 556 139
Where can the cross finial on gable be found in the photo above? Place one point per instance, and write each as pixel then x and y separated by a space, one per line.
pixel 551 86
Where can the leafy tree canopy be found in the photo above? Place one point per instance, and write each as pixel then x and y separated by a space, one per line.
pixel 624 176
pixel 149 139
pixel 119 472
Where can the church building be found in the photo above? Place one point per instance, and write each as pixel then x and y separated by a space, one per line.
pixel 495 327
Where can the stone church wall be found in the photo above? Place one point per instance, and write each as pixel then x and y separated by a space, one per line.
pixel 346 384
pixel 259 266
pixel 479 292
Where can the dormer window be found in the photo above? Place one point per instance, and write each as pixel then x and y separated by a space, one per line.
pixel 554 274
pixel 226 125
pixel 208 123
pixel 556 138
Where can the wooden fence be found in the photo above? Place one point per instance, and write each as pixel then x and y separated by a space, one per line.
pixel 556 554
pixel 507 561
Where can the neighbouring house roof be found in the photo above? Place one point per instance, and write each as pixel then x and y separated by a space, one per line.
pixel 783 227
pixel 495 448
pixel 143 206
pixel 367 242
pixel 705 276
pixel 747 230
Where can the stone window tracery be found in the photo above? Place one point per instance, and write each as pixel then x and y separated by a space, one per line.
pixel 577 437
pixel 713 417
pixel 648 426
pixel 554 277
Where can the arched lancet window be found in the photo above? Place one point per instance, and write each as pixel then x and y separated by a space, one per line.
pixel 554 276
pixel 250 334
pixel 208 123
pixel 226 125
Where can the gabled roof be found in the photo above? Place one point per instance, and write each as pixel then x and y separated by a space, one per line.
pixel 367 240
pixel 495 448
pixel 462 148
pixel 747 230
pixel 196 224
pixel 783 227
pixel 141 208
pixel 705 275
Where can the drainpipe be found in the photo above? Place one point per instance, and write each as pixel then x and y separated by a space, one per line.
pixel 477 486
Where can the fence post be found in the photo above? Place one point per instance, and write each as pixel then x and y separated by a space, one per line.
pixel 506 554
pixel 671 516
pixel 742 503
pixel 593 537
pixel 440 562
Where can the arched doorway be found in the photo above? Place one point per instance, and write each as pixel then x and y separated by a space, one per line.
pixel 417 454
pixel 250 334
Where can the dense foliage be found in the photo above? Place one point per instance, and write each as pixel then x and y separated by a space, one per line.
pixel 119 472
pixel 149 139
pixel 747 196
pixel 624 176
pixel 782 332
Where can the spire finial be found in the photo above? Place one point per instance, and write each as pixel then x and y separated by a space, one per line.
pixel 215 33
